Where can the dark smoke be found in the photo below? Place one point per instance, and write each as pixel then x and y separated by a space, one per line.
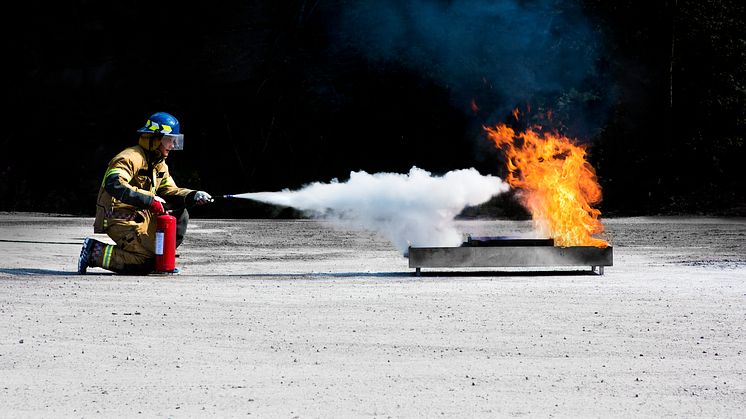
pixel 503 53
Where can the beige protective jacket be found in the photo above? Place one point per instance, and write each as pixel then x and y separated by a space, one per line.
pixel 129 186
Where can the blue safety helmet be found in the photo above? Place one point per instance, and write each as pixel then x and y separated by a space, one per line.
pixel 168 126
pixel 161 122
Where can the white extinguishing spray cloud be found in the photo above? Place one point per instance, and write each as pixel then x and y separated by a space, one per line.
pixel 415 209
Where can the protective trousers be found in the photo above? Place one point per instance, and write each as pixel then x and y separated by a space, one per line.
pixel 134 252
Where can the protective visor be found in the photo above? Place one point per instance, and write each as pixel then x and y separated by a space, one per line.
pixel 173 141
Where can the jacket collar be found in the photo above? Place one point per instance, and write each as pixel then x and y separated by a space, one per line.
pixel 153 157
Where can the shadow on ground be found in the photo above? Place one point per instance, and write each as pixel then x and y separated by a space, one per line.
pixel 34 271
pixel 407 274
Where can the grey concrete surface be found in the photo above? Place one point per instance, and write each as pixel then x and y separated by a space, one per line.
pixel 300 319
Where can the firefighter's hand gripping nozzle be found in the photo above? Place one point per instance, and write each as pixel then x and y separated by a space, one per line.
pixel 202 197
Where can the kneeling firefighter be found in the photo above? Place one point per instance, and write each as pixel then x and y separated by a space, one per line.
pixel 136 188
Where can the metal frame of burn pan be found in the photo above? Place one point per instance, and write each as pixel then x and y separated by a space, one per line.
pixel 506 253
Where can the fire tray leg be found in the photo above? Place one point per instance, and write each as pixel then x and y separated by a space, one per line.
pixel 417 271
pixel 600 269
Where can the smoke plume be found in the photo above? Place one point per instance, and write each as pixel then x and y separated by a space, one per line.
pixel 409 209
pixel 500 52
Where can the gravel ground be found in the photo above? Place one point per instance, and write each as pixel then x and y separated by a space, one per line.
pixel 300 319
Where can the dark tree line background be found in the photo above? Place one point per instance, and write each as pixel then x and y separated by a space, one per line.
pixel 270 98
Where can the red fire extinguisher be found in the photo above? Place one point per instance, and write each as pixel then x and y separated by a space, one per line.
pixel 165 243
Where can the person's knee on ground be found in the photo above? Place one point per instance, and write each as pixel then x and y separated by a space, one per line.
pixel 134 252
pixel 97 254
pixel 119 260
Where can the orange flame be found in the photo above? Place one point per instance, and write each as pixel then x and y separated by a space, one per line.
pixel 559 185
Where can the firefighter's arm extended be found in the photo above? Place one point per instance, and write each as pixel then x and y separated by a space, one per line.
pixel 180 196
pixel 183 196
pixel 172 193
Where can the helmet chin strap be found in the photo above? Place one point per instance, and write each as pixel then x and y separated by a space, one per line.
pixel 152 139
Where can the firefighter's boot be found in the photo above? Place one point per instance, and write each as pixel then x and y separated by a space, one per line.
pixel 89 254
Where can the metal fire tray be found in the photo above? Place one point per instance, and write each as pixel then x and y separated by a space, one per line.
pixel 502 252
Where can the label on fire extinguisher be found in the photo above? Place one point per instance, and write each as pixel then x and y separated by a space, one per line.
pixel 159 243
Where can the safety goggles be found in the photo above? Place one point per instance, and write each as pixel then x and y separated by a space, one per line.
pixel 173 141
